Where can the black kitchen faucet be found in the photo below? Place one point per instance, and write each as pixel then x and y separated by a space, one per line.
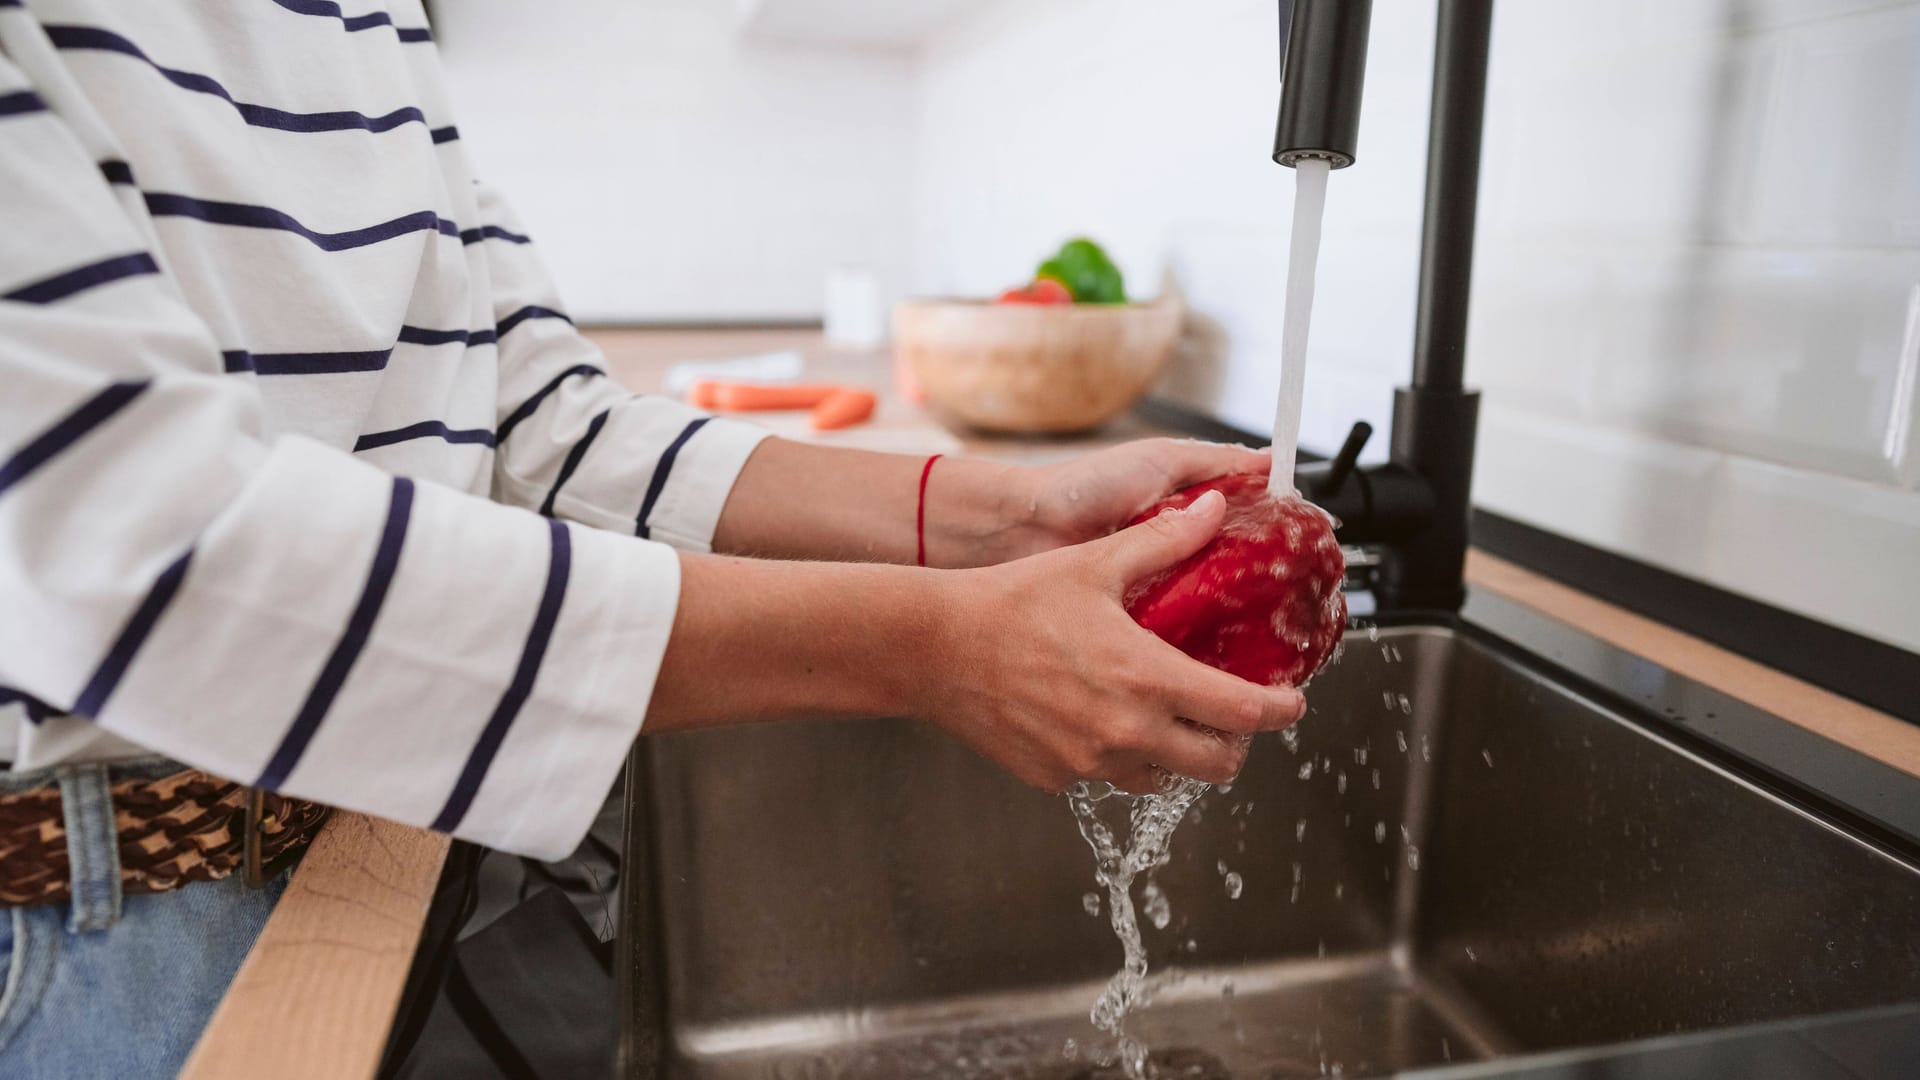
pixel 1416 505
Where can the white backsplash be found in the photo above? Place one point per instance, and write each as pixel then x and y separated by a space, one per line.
pixel 1722 248
pixel 1697 298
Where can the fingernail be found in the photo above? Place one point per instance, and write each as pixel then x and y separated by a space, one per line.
pixel 1206 499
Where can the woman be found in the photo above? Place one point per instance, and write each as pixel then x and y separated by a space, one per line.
pixel 307 482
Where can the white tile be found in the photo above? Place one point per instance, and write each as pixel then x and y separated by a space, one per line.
pixel 1838 550
pixel 1789 356
pixel 1754 15
pixel 1840 161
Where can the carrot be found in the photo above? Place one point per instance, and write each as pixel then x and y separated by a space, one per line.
pixel 747 397
pixel 845 407
pixel 701 394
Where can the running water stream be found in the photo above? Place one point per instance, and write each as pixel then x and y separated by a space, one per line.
pixel 1303 259
pixel 1145 847
pixel 1150 819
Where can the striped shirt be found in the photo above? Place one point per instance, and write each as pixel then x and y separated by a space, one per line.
pixel 305 479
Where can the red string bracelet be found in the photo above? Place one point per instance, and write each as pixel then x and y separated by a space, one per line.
pixel 920 516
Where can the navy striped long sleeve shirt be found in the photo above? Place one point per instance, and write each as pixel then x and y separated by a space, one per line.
pixel 305 479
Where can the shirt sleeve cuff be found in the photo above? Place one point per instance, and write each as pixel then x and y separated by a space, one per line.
pixel 553 773
pixel 688 508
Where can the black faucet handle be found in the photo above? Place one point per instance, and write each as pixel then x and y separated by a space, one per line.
pixel 1348 456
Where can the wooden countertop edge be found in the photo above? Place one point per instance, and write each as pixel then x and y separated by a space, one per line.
pixel 1849 723
pixel 317 993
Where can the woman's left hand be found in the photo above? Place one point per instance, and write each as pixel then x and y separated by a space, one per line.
pixel 1093 495
pixel 803 501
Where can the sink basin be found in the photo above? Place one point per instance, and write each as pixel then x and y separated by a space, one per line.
pixel 1468 854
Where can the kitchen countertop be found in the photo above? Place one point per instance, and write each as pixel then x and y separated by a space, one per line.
pixel 640 359
pixel 316 994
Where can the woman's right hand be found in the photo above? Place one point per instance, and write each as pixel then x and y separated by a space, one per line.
pixel 1037 665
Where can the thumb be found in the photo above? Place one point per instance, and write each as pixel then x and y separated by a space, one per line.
pixel 1163 539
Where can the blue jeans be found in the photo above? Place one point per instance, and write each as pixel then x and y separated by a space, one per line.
pixel 113 985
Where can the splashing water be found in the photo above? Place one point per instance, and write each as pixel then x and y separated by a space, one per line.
pixel 1150 821
pixel 1309 204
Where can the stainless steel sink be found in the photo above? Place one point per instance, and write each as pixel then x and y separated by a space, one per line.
pixel 1468 855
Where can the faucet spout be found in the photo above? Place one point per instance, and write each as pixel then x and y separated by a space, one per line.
pixel 1322 69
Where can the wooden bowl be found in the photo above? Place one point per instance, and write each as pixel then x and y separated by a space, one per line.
pixel 1033 367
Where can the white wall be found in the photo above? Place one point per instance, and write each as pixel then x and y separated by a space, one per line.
pixel 675 170
pixel 1698 316
pixel 1697 312
pixel 1149 126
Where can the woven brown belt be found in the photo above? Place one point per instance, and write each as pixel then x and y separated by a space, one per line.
pixel 174 830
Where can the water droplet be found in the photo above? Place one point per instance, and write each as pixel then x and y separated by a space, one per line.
pixel 1233 884
pixel 1091 902
pixel 1159 911
pixel 1341 782
pixel 1487 756
pixel 1376 779
pixel 1306 770
pixel 1300 830
pixel 1070 1050
pixel 1470 955
pixel 1220 866
pixel 1413 857
pixel 1380 832
pixel 1406 705
pixel 1400 740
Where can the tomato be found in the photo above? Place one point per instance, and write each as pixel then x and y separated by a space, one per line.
pixel 1038 291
